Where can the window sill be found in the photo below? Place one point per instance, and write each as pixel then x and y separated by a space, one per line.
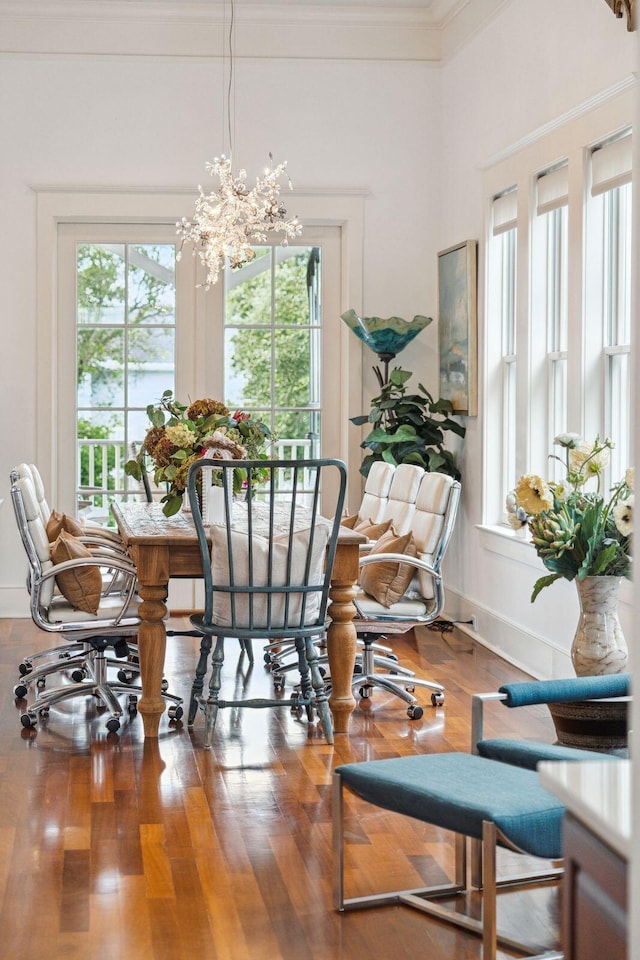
pixel 505 542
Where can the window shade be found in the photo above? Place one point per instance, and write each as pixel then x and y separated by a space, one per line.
pixel 611 166
pixel 553 190
pixel 505 212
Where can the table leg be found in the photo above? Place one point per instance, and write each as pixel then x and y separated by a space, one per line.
pixel 152 641
pixel 341 635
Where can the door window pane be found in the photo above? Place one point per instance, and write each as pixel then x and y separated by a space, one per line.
pixel 125 347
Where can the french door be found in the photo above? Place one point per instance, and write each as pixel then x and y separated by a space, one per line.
pixel 132 323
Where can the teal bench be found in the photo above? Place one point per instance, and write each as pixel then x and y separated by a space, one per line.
pixel 478 798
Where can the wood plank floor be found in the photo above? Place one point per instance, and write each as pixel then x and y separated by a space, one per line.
pixel 113 847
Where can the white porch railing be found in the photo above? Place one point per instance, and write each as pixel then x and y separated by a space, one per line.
pixel 101 475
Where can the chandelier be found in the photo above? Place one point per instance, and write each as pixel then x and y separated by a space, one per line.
pixel 227 221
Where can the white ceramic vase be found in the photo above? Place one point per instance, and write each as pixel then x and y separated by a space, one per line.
pixel 599 645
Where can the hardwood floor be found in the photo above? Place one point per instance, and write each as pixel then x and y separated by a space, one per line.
pixel 113 847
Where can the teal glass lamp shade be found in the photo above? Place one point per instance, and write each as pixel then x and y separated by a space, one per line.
pixel 386 337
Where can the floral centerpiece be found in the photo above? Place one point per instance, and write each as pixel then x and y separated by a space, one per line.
pixel 577 533
pixel 180 434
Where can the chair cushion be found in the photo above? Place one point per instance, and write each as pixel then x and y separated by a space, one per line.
pixel 458 791
pixel 388 581
pixel 81 586
pixel 61 611
pixel 529 753
pixel 369 528
pixel 263 617
pixel 61 521
pixel 404 609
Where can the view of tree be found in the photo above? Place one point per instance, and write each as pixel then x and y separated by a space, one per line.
pixel 250 358
pixel 101 300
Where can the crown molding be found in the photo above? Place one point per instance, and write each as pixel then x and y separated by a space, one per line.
pixel 196 28
pixel 581 109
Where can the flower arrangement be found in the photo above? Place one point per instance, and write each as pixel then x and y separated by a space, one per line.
pixel 576 533
pixel 179 435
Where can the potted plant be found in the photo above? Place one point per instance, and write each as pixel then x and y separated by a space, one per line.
pixel 409 427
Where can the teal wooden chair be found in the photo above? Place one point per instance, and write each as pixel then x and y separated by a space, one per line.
pixel 267 570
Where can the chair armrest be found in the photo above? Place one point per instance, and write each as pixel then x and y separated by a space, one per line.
pixel 110 563
pixel 478 701
pixel 415 562
pixel 567 690
pixel 102 533
pixel 109 546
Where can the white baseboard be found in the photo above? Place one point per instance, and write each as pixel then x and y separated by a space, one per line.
pixel 534 655
pixel 14 603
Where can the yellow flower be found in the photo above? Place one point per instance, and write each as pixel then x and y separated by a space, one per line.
pixel 180 435
pixel 533 494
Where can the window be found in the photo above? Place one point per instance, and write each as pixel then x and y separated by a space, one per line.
pixel 550 303
pixel 273 344
pixel 129 317
pixel 125 357
pixel 502 296
pixel 558 324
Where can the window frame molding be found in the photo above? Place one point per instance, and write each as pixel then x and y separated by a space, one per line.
pixel 167 205
pixel 570 139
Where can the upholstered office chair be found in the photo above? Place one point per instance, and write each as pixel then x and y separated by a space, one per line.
pixel 401 585
pixel 376 494
pixel 72 595
pixel 97 537
pixel 268 572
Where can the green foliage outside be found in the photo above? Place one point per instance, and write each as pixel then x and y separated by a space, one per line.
pixel 101 293
pixel 250 303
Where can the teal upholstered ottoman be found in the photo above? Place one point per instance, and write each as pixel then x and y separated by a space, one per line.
pixel 472 796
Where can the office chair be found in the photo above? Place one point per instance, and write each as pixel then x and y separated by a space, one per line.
pixel 75 598
pixel 401 586
pixel 267 573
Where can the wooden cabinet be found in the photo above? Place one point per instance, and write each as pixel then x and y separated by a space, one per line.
pixel 594 897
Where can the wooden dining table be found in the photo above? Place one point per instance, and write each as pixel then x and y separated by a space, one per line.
pixel 163 548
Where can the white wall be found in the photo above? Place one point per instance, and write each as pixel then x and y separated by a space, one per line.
pixel 140 122
pixel 531 65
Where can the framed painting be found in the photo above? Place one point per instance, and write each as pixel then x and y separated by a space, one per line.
pixel 458 326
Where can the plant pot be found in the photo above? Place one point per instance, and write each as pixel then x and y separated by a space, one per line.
pixel 599 645
pixel 592 725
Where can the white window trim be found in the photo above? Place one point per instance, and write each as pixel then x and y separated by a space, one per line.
pixel 572 139
pixel 55 205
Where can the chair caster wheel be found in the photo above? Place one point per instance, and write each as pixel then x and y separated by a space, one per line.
pixel 78 675
pixel 175 712
pixel 113 725
pixel 410 689
pixel 28 720
pixel 125 676
pixel 357 669
pixel 437 699
pixel 278 683
pixel 20 691
pixel 364 692
pixel 164 686
pixel 393 656
pixel 25 668
pixel 132 703
pixel 414 712
pixel 41 683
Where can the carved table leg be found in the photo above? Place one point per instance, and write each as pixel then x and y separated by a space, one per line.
pixel 152 641
pixel 341 635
